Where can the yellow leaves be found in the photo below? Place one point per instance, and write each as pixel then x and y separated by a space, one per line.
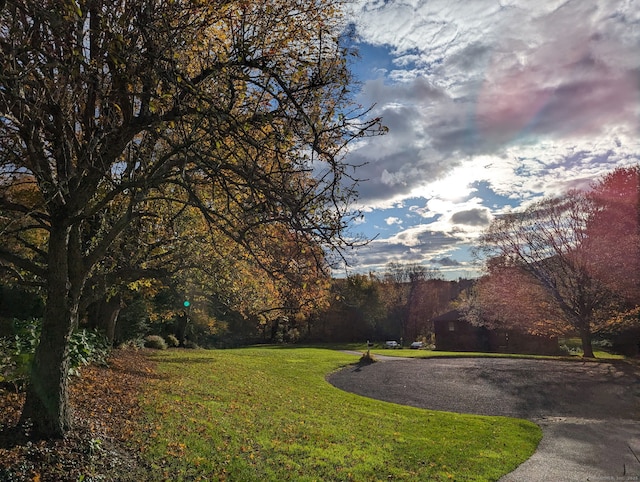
pixel 136 285
pixel 176 449
pixel 145 285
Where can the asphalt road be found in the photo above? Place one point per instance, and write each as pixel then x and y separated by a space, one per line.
pixel 589 412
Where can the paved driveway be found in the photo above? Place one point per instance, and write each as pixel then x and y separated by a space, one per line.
pixel 589 412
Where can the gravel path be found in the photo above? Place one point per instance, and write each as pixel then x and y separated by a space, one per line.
pixel 589 412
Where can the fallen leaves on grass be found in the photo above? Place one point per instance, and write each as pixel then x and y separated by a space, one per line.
pixel 101 446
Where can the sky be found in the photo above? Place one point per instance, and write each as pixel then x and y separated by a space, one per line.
pixel 490 105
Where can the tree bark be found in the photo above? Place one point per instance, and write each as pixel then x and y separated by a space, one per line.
pixel 586 338
pixel 103 315
pixel 46 406
pixel 181 325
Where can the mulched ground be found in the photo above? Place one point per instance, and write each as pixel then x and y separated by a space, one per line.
pixel 101 447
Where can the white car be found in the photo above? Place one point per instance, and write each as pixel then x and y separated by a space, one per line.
pixel 391 344
pixel 416 345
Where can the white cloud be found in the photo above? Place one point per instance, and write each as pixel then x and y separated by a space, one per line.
pixel 393 220
pixel 521 97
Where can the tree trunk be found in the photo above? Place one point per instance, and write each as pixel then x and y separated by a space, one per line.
pixel 181 325
pixel 46 406
pixel 587 348
pixel 103 315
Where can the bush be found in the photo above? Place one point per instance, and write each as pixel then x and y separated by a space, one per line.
pixel 155 342
pixel 603 344
pixel 85 347
pixel 172 341
pixel 191 344
pixel 26 335
pixel 16 352
pixel 8 364
pixel 134 343
pixel 367 358
pixel 570 350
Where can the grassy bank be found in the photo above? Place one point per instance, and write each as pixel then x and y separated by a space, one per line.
pixel 267 414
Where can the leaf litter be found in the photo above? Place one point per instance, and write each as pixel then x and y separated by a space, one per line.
pixel 102 446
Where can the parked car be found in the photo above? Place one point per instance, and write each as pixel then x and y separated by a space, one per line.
pixel 391 344
pixel 416 345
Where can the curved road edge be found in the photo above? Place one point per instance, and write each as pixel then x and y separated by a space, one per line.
pixel 589 413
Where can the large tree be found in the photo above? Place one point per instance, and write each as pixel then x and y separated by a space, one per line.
pixel 106 106
pixel 508 297
pixel 614 232
pixel 406 289
pixel 574 251
pixel 355 310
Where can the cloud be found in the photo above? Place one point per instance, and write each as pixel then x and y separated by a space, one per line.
pixel 472 217
pixel 485 77
pixel 393 220
pixel 394 162
pixel 490 105
pixel 446 262
pixel 414 244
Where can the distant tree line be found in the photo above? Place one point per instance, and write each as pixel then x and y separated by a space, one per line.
pixel 398 303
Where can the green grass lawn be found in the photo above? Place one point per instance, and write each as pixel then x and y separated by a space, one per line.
pixel 268 414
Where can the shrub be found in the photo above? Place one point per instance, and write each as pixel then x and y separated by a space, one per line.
pixel 134 343
pixel 155 342
pixel 87 346
pixel 367 358
pixel 172 341
pixel 26 335
pixel 191 344
pixel 569 350
pixel 603 344
pixel 16 353
pixel 8 362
